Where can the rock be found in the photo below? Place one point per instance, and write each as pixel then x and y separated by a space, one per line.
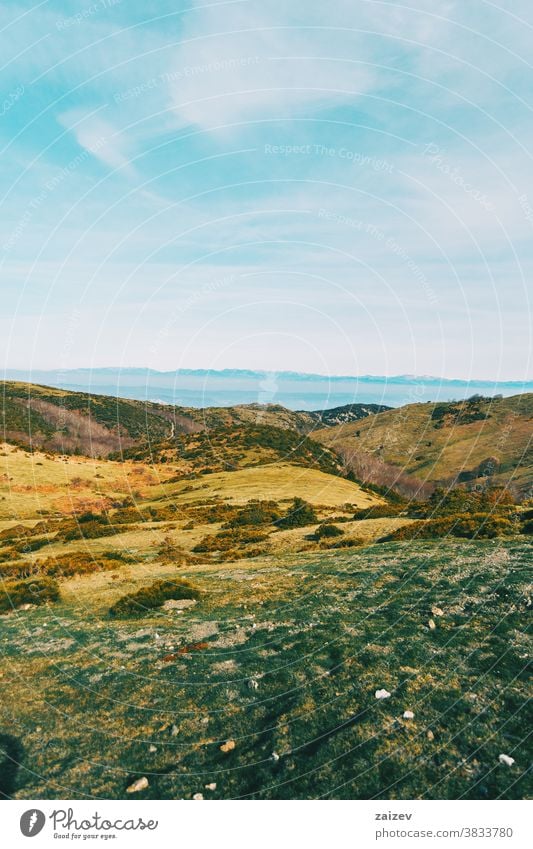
pixel 431 625
pixel 140 784
pixel 152 748
pixel 212 786
pixel 506 759
pixel 179 603
pixel 228 746
pixel 253 684
pixel 408 714
pixel 198 797
pixel 26 606
pixel 174 731
pixel 430 735
pixel 275 757
pixel 436 611
pixel 382 694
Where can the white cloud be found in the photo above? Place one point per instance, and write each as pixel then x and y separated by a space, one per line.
pixel 98 137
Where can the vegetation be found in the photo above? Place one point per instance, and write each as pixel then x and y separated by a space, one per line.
pixel 151 597
pixel 300 514
pixel 30 591
pixel 327 531
pixel 469 526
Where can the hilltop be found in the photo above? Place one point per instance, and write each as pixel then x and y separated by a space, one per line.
pixel 484 440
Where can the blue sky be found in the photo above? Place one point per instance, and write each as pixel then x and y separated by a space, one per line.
pixel 340 188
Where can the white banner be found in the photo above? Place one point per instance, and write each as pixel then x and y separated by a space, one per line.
pixel 264 825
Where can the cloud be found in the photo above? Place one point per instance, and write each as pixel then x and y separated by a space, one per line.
pixel 98 137
pixel 240 63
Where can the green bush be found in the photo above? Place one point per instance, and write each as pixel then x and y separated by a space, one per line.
pixel 226 540
pixel 153 596
pixel 28 591
pixel 298 515
pixel 466 526
pixel 255 513
pixel 379 511
pixel 328 531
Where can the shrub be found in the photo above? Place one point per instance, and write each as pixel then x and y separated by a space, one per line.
pixel 28 591
pixel 226 540
pixel 466 526
pixel 153 596
pixel 255 513
pixel 298 515
pixel 328 531
pixel 379 511
pixel 453 502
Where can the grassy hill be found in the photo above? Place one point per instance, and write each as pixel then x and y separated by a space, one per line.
pixel 99 425
pixel 206 600
pixel 264 687
pixel 467 441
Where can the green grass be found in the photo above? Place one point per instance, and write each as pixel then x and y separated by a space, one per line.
pixel 295 692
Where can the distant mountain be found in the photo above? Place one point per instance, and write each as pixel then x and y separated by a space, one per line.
pixel 294 390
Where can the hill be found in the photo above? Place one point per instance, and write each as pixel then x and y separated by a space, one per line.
pixel 263 685
pixel 68 422
pixel 481 439
pixel 347 413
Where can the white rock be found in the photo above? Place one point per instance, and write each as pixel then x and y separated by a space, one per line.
pixel 506 759
pixel 174 731
pixel 198 797
pixel 212 786
pixel 382 694
pixel 253 684
pixel 152 748
pixel 431 625
pixel 408 714
pixel 140 784
pixel 275 757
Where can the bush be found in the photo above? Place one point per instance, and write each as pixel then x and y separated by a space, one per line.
pixel 379 511
pixel 28 591
pixel 255 513
pixel 328 531
pixel 458 501
pixel 153 596
pixel 466 526
pixel 298 515
pixel 226 540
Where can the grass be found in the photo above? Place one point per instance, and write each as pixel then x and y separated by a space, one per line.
pixel 315 634
pixel 413 440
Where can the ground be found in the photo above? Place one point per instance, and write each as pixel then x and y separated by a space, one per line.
pixel 281 656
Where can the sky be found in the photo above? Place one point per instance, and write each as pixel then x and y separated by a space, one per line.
pixel 335 188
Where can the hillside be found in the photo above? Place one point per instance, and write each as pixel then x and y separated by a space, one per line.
pixel 263 685
pixel 345 414
pixel 478 440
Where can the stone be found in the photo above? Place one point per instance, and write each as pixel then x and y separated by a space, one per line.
pixel 432 625
pixel 506 759
pixel 275 757
pixel 174 731
pixel 212 786
pixel 408 714
pixel 198 797
pixel 253 684
pixel 179 603
pixel 152 748
pixel 228 746
pixel 382 694
pixel 436 611
pixel 430 735
pixel 140 784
